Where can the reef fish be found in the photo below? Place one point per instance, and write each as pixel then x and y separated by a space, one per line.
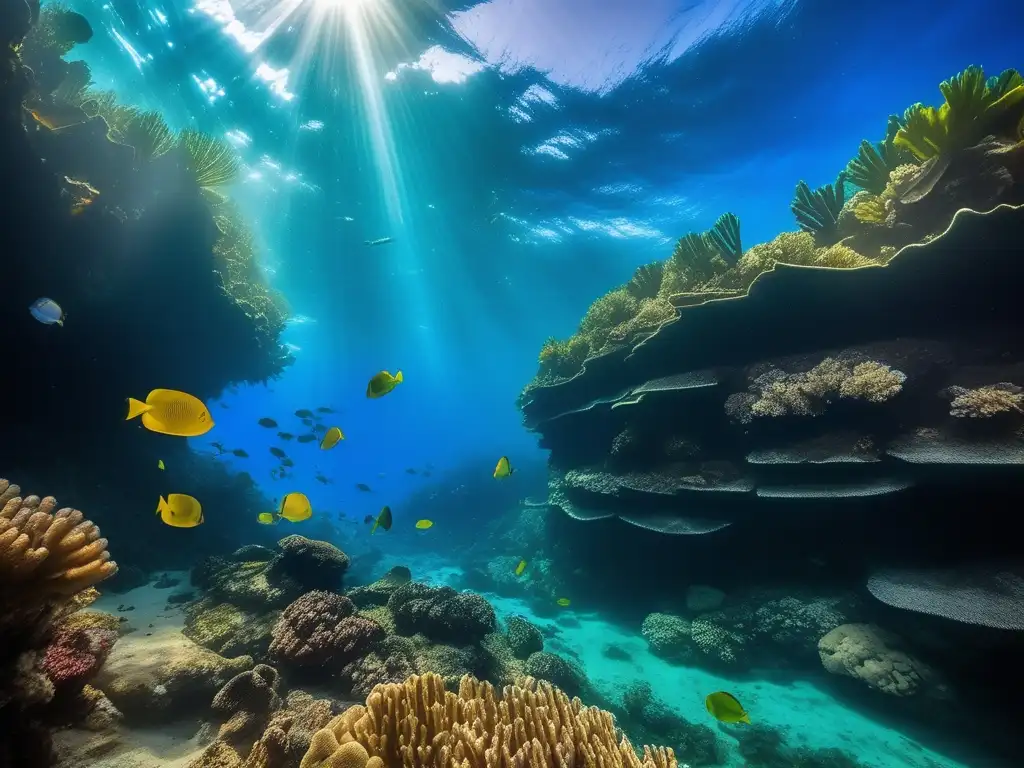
pixel 47 311
pixel 268 423
pixel 520 568
pixel 277 452
pixel 382 383
pixel 306 438
pixel 333 436
pixel 304 413
pixel 180 510
pixel 565 602
pixel 364 487
pixel 285 435
pixel 424 524
pixel 170 412
pixel 322 478
pixel 286 462
pixel 383 520
pixel 410 471
pixel 724 707
pixel 324 409
pixel 160 464
pixel 504 468
pixel 294 508
pixel 240 453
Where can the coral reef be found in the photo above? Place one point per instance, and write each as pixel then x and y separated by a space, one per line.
pixel 400 720
pixel 319 630
pixel 49 561
pixel 523 637
pixel 872 655
pixel 441 613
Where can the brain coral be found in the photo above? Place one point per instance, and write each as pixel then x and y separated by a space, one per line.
pixel 417 724
pixel 441 613
pixel 319 629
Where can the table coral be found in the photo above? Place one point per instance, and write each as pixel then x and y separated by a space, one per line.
pixel 319 629
pixel 418 724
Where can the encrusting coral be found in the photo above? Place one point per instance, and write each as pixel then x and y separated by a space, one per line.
pixel 418 724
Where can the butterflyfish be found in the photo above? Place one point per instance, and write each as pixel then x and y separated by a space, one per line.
pixel 565 602
pixel 179 510
pixel 331 439
pixel 47 312
pixel 503 469
pixel 383 520
pixel 160 464
pixel 724 707
pixel 382 383
pixel 294 508
pixel 424 524
pixel 170 412
pixel 520 568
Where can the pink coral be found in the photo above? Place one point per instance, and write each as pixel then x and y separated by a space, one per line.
pixel 76 655
pixel 319 629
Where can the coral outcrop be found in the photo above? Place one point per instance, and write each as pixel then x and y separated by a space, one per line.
pixel 319 630
pixel 441 613
pixel 419 724
pixel 874 656
pixel 50 559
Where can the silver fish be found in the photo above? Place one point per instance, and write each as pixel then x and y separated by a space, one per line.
pixel 47 311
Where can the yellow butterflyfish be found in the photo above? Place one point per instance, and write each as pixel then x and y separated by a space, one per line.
pixel 160 464
pixel 383 520
pixel 725 707
pixel 332 437
pixel 503 469
pixel 564 602
pixel 424 524
pixel 520 568
pixel 382 383
pixel 170 412
pixel 180 510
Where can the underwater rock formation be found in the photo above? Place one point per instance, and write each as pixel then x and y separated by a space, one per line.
pixel 441 613
pixel 523 637
pixel 319 630
pixel 874 656
pixel 49 561
pixel 367 737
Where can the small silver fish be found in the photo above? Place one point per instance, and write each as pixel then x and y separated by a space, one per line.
pixel 47 311
pixel 380 241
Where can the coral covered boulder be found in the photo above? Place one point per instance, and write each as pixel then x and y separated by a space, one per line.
pixel 313 564
pixel 319 630
pixel 441 613
pixel 523 637
pixel 874 656
pixel 560 672
pixel 668 635
pixel 378 592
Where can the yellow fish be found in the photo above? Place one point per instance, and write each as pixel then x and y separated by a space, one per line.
pixel 424 524
pixel 170 412
pixel 504 468
pixel 295 508
pixel 563 601
pixel 382 383
pixel 520 568
pixel 383 520
pixel 160 464
pixel 180 510
pixel 331 439
pixel 724 707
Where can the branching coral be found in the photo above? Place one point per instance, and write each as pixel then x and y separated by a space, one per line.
pixel 417 724
pixel 806 394
pixel 985 402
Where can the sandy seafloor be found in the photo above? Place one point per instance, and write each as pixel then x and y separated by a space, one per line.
pixel 809 715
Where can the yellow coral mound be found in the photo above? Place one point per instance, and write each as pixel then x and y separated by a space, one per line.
pixel 57 553
pixel 418 724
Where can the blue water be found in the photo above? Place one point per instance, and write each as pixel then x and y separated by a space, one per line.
pixel 526 156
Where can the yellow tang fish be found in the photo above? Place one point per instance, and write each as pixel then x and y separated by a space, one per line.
pixel 564 602
pixel 295 508
pixel 520 568
pixel 170 412
pixel 382 383
pixel 331 439
pixel 424 524
pixel 383 520
pixel 724 707
pixel 180 510
pixel 504 468
pixel 160 464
